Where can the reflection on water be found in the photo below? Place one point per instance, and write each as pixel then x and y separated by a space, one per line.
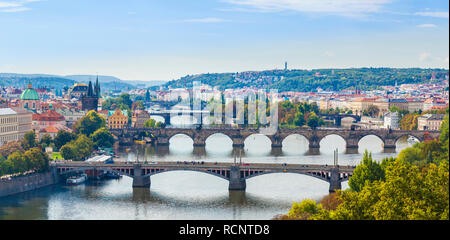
pixel 193 195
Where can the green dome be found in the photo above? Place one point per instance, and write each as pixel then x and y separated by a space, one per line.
pixel 29 94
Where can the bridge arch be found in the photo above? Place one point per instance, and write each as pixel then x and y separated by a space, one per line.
pixel 253 146
pixel 407 135
pixel 295 143
pixel 373 147
pixel 224 174
pixel 341 144
pixel 219 143
pixel 324 177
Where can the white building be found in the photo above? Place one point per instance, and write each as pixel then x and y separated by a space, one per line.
pixel 9 126
pixel 392 120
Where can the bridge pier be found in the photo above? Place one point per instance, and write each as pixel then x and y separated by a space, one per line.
pixel 389 149
pixel 335 181
pixel 162 141
pixel 352 149
pixel 237 183
pixel 139 179
pixel 389 145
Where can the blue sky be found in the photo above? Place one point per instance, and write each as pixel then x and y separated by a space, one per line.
pixel 167 39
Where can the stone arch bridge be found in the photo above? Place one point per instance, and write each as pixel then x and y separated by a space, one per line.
pixel 234 173
pixel 239 135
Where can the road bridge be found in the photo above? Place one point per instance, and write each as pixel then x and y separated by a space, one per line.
pixel 236 174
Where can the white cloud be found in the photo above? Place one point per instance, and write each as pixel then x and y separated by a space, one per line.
pixel 206 20
pixel 424 56
pixel 338 7
pixel 432 14
pixel 427 25
pixel 15 6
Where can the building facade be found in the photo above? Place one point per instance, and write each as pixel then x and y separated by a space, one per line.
pixel 430 122
pixel 392 120
pixel 118 119
pixel 9 126
pixel 139 118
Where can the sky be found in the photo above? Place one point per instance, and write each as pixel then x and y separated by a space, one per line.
pixel 168 39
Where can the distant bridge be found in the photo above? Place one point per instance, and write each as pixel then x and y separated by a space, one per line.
pixel 239 135
pixel 338 118
pixel 234 173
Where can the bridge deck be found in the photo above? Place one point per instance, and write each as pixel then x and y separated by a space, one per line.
pixel 209 165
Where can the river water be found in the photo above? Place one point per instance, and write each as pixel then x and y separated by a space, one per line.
pixel 193 195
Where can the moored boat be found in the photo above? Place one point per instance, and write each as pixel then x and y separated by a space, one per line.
pixel 75 180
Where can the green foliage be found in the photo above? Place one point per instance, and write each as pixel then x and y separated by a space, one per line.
pixel 409 122
pixel 90 123
pixel 46 140
pixel 304 210
pixel 408 193
pixel 69 152
pixel 299 114
pixel 368 171
pixel 123 102
pixel 372 111
pixel 38 160
pixel 103 138
pixel 79 149
pixel 152 123
pixel 314 121
pixel 29 140
pixel 64 137
pixel 306 81
pixel 19 163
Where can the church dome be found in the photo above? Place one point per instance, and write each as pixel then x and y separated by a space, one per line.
pixel 29 94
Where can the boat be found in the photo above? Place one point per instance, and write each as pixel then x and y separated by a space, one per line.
pixel 140 142
pixel 75 180
pixel 110 175
pixel 412 140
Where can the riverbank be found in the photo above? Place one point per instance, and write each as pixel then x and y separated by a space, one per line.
pixel 27 183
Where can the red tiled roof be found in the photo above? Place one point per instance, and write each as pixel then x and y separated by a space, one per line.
pixel 50 115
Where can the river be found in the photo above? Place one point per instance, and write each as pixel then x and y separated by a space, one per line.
pixel 193 195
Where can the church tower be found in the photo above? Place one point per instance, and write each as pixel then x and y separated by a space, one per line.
pixel 89 101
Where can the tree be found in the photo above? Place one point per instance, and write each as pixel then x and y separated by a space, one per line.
pixel 64 137
pixel 444 138
pixel 368 171
pixel 29 140
pixel 299 120
pixel 83 146
pixel 46 140
pixel 90 123
pixel 19 162
pixel 103 138
pixel 6 167
pixel 38 160
pixel 11 147
pixel 151 123
pixel 394 109
pixel 411 155
pixel 372 111
pixel 304 210
pixel 69 152
pixel 314 121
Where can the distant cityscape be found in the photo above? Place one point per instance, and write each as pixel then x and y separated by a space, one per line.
pixel 47 111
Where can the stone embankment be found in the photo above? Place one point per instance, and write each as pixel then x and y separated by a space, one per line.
pixel 15 185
